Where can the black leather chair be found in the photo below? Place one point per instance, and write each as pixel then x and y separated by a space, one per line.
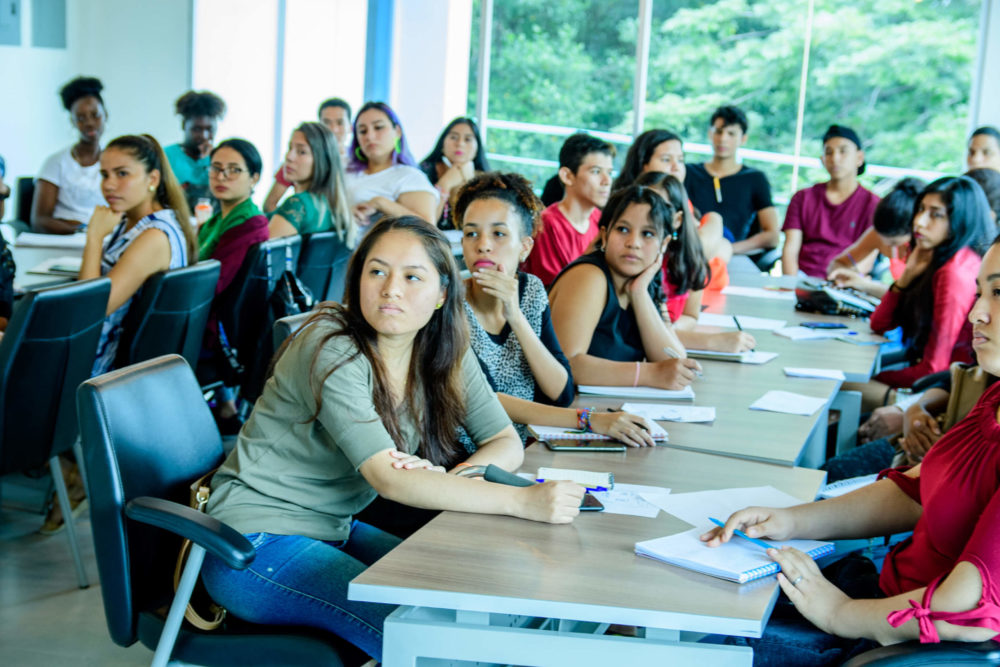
pixel 323 265
pixel 169 315
pixel 287 326
pixel 244 311
pixel 47 350
pixel 913 653
pixel 147 434
pixel 25 194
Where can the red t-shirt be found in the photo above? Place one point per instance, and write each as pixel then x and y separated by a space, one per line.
pixel 827 228
pixel 558 244
pixel 959 490
pixel 950 339
pixel 280 179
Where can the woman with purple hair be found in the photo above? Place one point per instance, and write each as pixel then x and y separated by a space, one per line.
pixel 382 177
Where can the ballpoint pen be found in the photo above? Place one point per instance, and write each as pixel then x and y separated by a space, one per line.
pixel 740 533
pixel 738 326
pixel 672 353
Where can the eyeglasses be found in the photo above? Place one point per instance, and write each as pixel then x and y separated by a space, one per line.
pixel 229 172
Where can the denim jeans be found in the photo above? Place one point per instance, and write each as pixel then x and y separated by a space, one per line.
pixel 789 640
pixel 865 459
pixel 297 580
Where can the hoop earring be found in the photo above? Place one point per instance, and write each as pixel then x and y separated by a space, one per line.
pixel 397 146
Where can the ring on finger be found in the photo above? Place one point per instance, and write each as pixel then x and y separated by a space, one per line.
pixel 795 582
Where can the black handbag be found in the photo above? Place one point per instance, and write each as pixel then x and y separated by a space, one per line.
pixel 288 296
pixel 814 296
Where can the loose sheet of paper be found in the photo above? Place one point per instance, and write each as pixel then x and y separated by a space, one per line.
pixel 746 321
pixel 632 499
pixel 671 413
pixel 695 508
pixel 805 333
pixel 821 373
pixel 759 293
pixel 788 402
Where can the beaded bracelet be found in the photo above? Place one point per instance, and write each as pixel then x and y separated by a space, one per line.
pixel 583 419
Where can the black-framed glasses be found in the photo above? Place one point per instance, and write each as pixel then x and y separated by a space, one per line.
pixel 231 171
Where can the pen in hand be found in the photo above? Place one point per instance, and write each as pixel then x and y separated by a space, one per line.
pixel 740 328
pixel 672 353
pixel 740 533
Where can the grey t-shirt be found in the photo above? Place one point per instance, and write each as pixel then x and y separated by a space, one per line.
pixel 291 476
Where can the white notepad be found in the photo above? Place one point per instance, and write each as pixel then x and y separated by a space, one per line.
pixel 845 486
pixel 737 560
pixel 820 373
pixel 557 433
pixel 805 333
pixel 685 394
pixel 748 357
pixel 671 413
pixel 788 402
pixel 760 292
pixel 33 240
pixel 59 266
pixel 588 478
pixel 746 321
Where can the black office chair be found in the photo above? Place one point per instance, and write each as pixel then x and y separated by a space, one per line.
pixel 244 311
pixel 286 326
pixel 323 265
pixel 913 653
pixel 47 350
pixel 147 434
pixel 25 194
pixel 169 315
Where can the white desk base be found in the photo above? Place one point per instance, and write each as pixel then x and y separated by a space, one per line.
pixel 425 637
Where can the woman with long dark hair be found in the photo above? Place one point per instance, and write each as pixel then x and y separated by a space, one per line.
pixel 930 300
pixel 320 203
pixel 382 176
pixel 352 397
pixel 457 157
pixel 606 307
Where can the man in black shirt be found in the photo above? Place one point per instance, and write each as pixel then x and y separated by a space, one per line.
pixel 737 192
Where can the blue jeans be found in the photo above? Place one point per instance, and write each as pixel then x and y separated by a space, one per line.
pixel 297 580
pixel 790 640
pixel 865 459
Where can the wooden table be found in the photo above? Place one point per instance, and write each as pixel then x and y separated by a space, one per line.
pixel 500 589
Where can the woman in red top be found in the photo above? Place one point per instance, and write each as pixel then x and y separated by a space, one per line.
pixel 943 582
pixel 930 301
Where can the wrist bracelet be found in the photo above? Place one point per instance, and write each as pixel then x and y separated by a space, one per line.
pixel 583 419
pixel 635 382
pixel 463 463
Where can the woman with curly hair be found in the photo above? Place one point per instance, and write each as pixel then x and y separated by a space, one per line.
pixel 68 186
pixel 200 113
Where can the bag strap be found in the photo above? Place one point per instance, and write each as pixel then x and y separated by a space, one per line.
pixel 201 489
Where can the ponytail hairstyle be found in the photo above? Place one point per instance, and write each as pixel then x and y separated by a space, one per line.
pixel 169 194
pixel 512 189
pixel 639 154
pixel 434 381
pixel 687 268
pixel 327 179
pixel 970 226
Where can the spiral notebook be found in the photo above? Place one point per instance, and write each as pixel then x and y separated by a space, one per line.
pixel 737 560
pixel 557 433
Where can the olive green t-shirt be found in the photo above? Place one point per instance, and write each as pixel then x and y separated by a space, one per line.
pixel 291 476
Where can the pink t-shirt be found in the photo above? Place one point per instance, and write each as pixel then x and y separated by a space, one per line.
pixel 558 244
pixel 826 228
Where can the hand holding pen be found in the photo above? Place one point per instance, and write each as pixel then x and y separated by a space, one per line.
pixel 625 427
pixel 755 522
pixel 691 364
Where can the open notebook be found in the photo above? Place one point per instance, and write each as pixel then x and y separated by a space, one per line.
pixel 685 394
pixel 748 357
pixel 738 560
pixel 557 433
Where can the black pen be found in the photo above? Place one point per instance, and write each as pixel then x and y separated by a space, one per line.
pixel 737 320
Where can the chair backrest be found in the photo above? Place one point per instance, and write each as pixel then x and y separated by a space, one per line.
pixel 286 326
pixel 146 431
pixel 25 193
pixel 323 265
pixel 47 350
pixel 169 314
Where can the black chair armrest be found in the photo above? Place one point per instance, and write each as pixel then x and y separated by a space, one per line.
pixel 941 379
pixel 943 653
pixel 216 537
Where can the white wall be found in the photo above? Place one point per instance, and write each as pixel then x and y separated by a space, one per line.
pixel 140 50
pixel 430 75
pixel 987 107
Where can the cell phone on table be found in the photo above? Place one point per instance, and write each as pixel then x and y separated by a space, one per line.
pixel 591 504
pixel 569 445
pixel 823 325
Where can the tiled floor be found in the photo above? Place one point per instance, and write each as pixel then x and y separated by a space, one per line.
pixel 45 619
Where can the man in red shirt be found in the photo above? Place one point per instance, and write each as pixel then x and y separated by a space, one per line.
pixel 569 227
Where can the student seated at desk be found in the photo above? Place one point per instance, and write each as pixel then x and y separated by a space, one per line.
pixel 312 166
pixel 68 186
pixel 889 236
pixel 605 309
pixel 942 583
pixel 931 299
pixel 686 274
pixel 509 317
pixel 458 156
pixel 352 397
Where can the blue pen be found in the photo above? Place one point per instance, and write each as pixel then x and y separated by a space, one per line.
pixel 588 488
pixel 740 533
